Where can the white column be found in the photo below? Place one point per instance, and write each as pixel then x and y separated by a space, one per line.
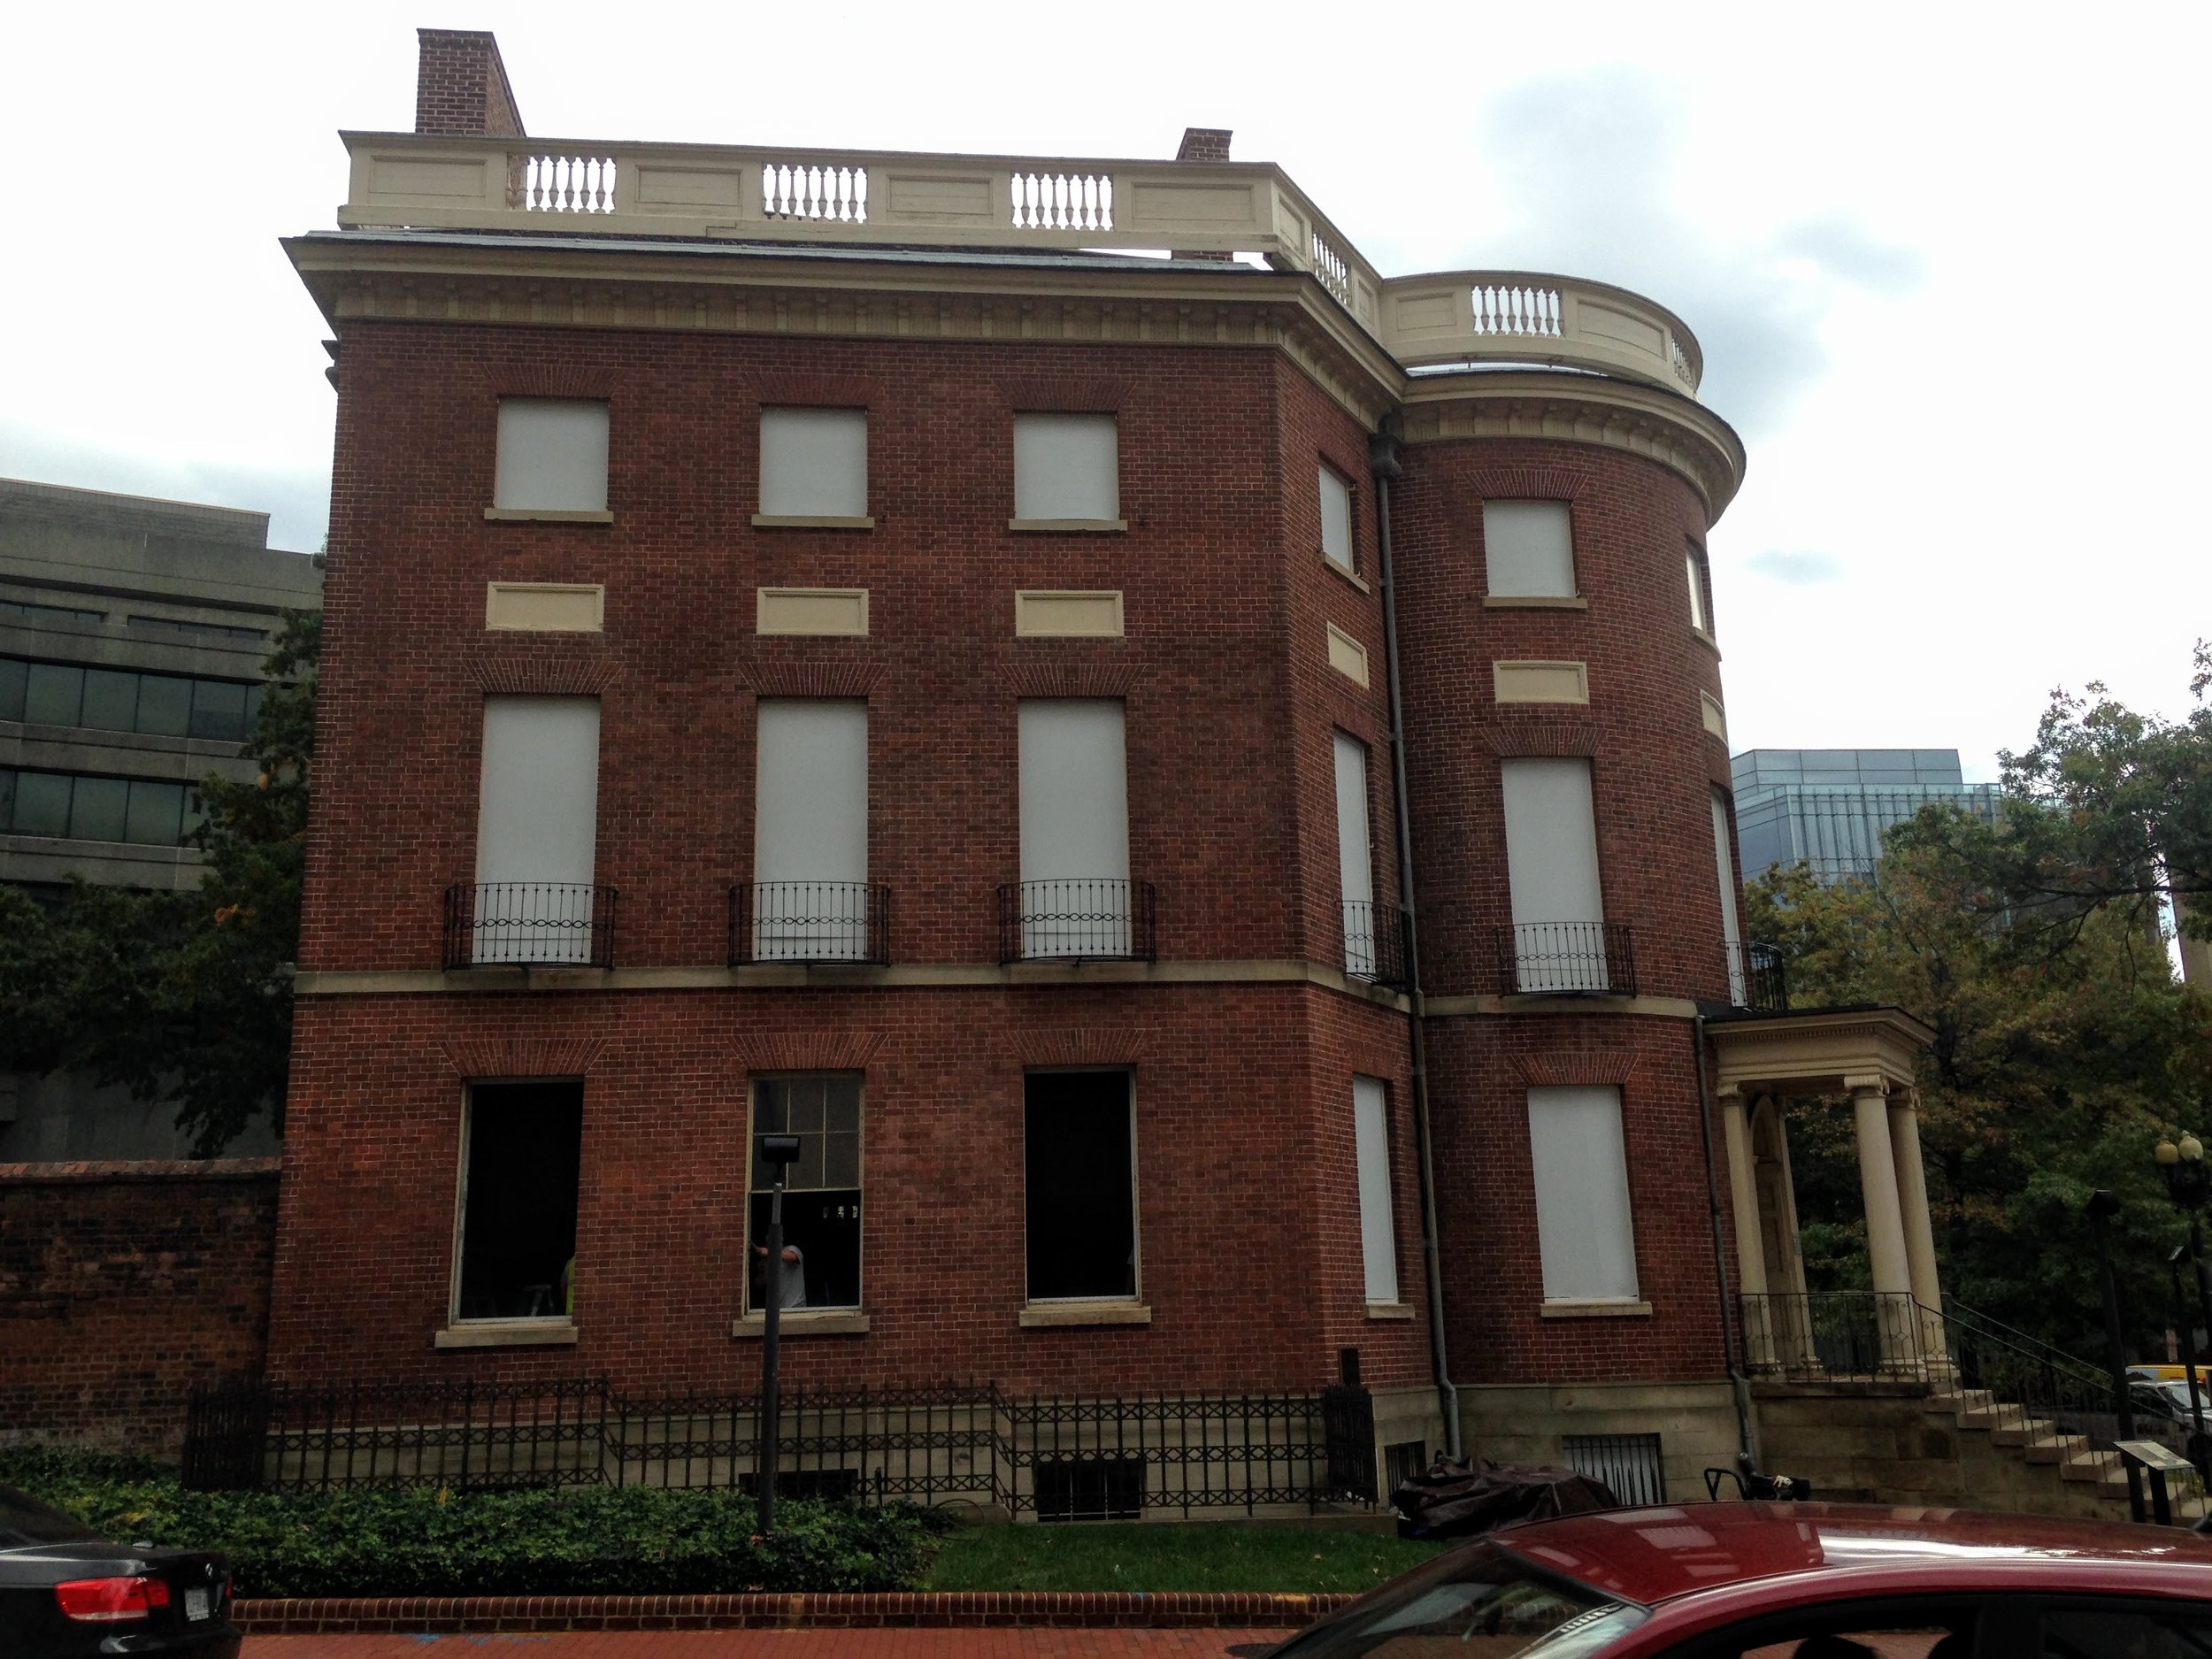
pixel 1912 1197
pixel 1884 1219
pixel 1751 1259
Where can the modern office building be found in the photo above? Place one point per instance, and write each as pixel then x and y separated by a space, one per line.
pixel 1830 807
pixel 834 643
pixel 132 635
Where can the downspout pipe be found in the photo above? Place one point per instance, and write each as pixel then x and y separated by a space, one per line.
pixel 1739 1384
pixel 1382 462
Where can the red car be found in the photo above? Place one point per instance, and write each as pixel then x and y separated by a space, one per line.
pixel 1792 1582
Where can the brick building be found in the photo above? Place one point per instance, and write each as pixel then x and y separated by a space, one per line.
pixel 827 642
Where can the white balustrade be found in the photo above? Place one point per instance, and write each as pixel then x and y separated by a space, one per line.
pixel 1520 313
pixel 804 190
pixel 1332 268
pixel 1062 201
pixel 560 183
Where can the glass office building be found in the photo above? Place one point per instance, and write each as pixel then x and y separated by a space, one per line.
pixel 1828 807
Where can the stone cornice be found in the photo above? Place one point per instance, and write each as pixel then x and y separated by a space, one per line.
pixel 1817 1052
pixel 1676 432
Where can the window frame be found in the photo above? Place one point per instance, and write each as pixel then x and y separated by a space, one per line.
pixel 1134 1296
pixel 464 1161
pixel 753 1132
pixel 1388 1172
pixel 1348 564
pixel 1698 571
pixel 768 517
pixel 501 508
pixel 1585 1182
pixel 1573 590
pixel 1023 520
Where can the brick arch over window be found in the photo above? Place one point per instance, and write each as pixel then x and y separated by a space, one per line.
pixel 1510 738
pixel 818 390
pixel 1078 1047
pixel 541 669
pixel 808 1051
pixel 1585 1068
pixel 1070 679
pixel 1066 394
pixel 523 1056
pixel 810 680
pixel 524 380
pixel 1523 482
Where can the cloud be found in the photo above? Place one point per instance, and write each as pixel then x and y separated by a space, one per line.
pixel 297 502
pixel 1590 170
pixel 1796 570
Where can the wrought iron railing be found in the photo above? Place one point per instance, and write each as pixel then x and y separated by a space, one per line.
pixel 1557 958
pixel 1850 1333
pixel 810 921
pixel 1375 942
pixel 1058 1459
pixel 1076 920
pixel 1758 977
pixel 534 924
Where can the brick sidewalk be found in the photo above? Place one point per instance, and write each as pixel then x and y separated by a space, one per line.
pixel 877 1643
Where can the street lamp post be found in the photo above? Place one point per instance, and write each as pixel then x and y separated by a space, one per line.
pixel 2189 1183
pixel 2102 1207
pixel 781 1151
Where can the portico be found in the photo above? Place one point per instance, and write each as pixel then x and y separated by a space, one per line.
pixel 1868 1055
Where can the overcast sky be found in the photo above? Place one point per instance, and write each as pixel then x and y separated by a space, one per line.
pixel 1946 263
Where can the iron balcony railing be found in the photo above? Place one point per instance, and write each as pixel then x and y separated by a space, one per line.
pixel 810 922
pixel 1056 1458
pixel 1076 920
pixel 1758 977
pixel 1565 958
pixel 531 924
pixel 1375 943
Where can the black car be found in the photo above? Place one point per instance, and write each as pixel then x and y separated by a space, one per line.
pixel 65 1591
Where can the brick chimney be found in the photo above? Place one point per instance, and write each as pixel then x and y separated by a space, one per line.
pixel 461 86
pixel 1205 143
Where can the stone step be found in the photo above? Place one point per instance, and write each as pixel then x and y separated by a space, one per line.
pixel 2020 1430
pixel 2058 1449
pixel 1961 1400
pixel 1994 1415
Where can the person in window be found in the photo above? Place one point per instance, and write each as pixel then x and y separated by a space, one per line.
pixel 793 1275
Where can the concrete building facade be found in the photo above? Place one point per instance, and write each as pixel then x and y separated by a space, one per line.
pixel 826 643
pixel 132 635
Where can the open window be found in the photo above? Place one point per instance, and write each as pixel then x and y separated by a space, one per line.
pixel 1080 1169
pixel 821 1192
pixel 521 1145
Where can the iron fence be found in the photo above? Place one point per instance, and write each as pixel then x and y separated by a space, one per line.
pixel 531 924
pixel 1055 1458
pixel 1758 977
pixel 1851 1333
pixel 1375 943
pixel 1076 920
pixel 1541 959
pixel 810 921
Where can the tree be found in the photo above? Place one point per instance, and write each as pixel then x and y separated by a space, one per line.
pixel 184 996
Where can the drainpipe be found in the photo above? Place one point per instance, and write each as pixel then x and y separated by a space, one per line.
pixel 1739 1384
pixel 1382 462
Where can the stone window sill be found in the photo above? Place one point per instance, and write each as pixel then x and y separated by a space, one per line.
pixel 1705 639
pixel 1534 602
pixel 1597 1311
pixel 1390 1310
pixel 508 1333
pixel 809 521
pixel 1040 1315
pixel 1347 573
pixel 804 1322
pixel 543 515
pixel 1093 527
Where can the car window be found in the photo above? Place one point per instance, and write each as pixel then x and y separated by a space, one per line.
pixel 1478 1602
pixel 26 1522
pixel 2126 1634
pixel 1911 1629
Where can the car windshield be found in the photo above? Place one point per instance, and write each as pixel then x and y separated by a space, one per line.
pixel 1478 1602
pixel 26 1522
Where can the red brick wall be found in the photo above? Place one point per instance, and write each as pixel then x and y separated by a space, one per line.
pixel 1246 1191
pixel 121 1284
pixel 461 85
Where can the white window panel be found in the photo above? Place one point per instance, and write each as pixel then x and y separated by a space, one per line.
pixel 1693 561
pixel 1336 518
pixel 537 829
pixel 1378 1237
pixel 1074 826
pixel 1551 856
pixel 552 456
pixel 814 463
pixel 1731 925
pixel 1528 547
pixel 811 831
pixel 1584 1235
pixel 1354 857
pixel 1067 466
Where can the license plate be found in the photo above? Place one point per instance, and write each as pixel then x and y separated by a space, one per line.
pixel 196 1603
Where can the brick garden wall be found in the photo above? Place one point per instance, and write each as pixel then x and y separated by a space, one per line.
pixel 121 1284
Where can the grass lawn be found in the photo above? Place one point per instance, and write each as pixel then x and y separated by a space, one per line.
pixel 1215 1555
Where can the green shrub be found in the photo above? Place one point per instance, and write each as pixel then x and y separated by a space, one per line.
pixel 416 1541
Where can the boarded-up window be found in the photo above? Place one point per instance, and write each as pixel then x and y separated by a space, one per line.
pixel 814 463
pixel 1551 855
pixel 811 831
pixel 1066 467
pixel 537 830
pixel 1355 874
pixel 1731 926
pixel 1583 1233
pixel 552 456
pixel 1074 828
pixel 1378 1237
pixel 1528 548
pixel 1336 518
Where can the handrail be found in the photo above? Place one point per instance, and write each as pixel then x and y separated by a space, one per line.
pixel 911 199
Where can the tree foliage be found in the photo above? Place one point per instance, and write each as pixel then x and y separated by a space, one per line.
pixel 184 996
